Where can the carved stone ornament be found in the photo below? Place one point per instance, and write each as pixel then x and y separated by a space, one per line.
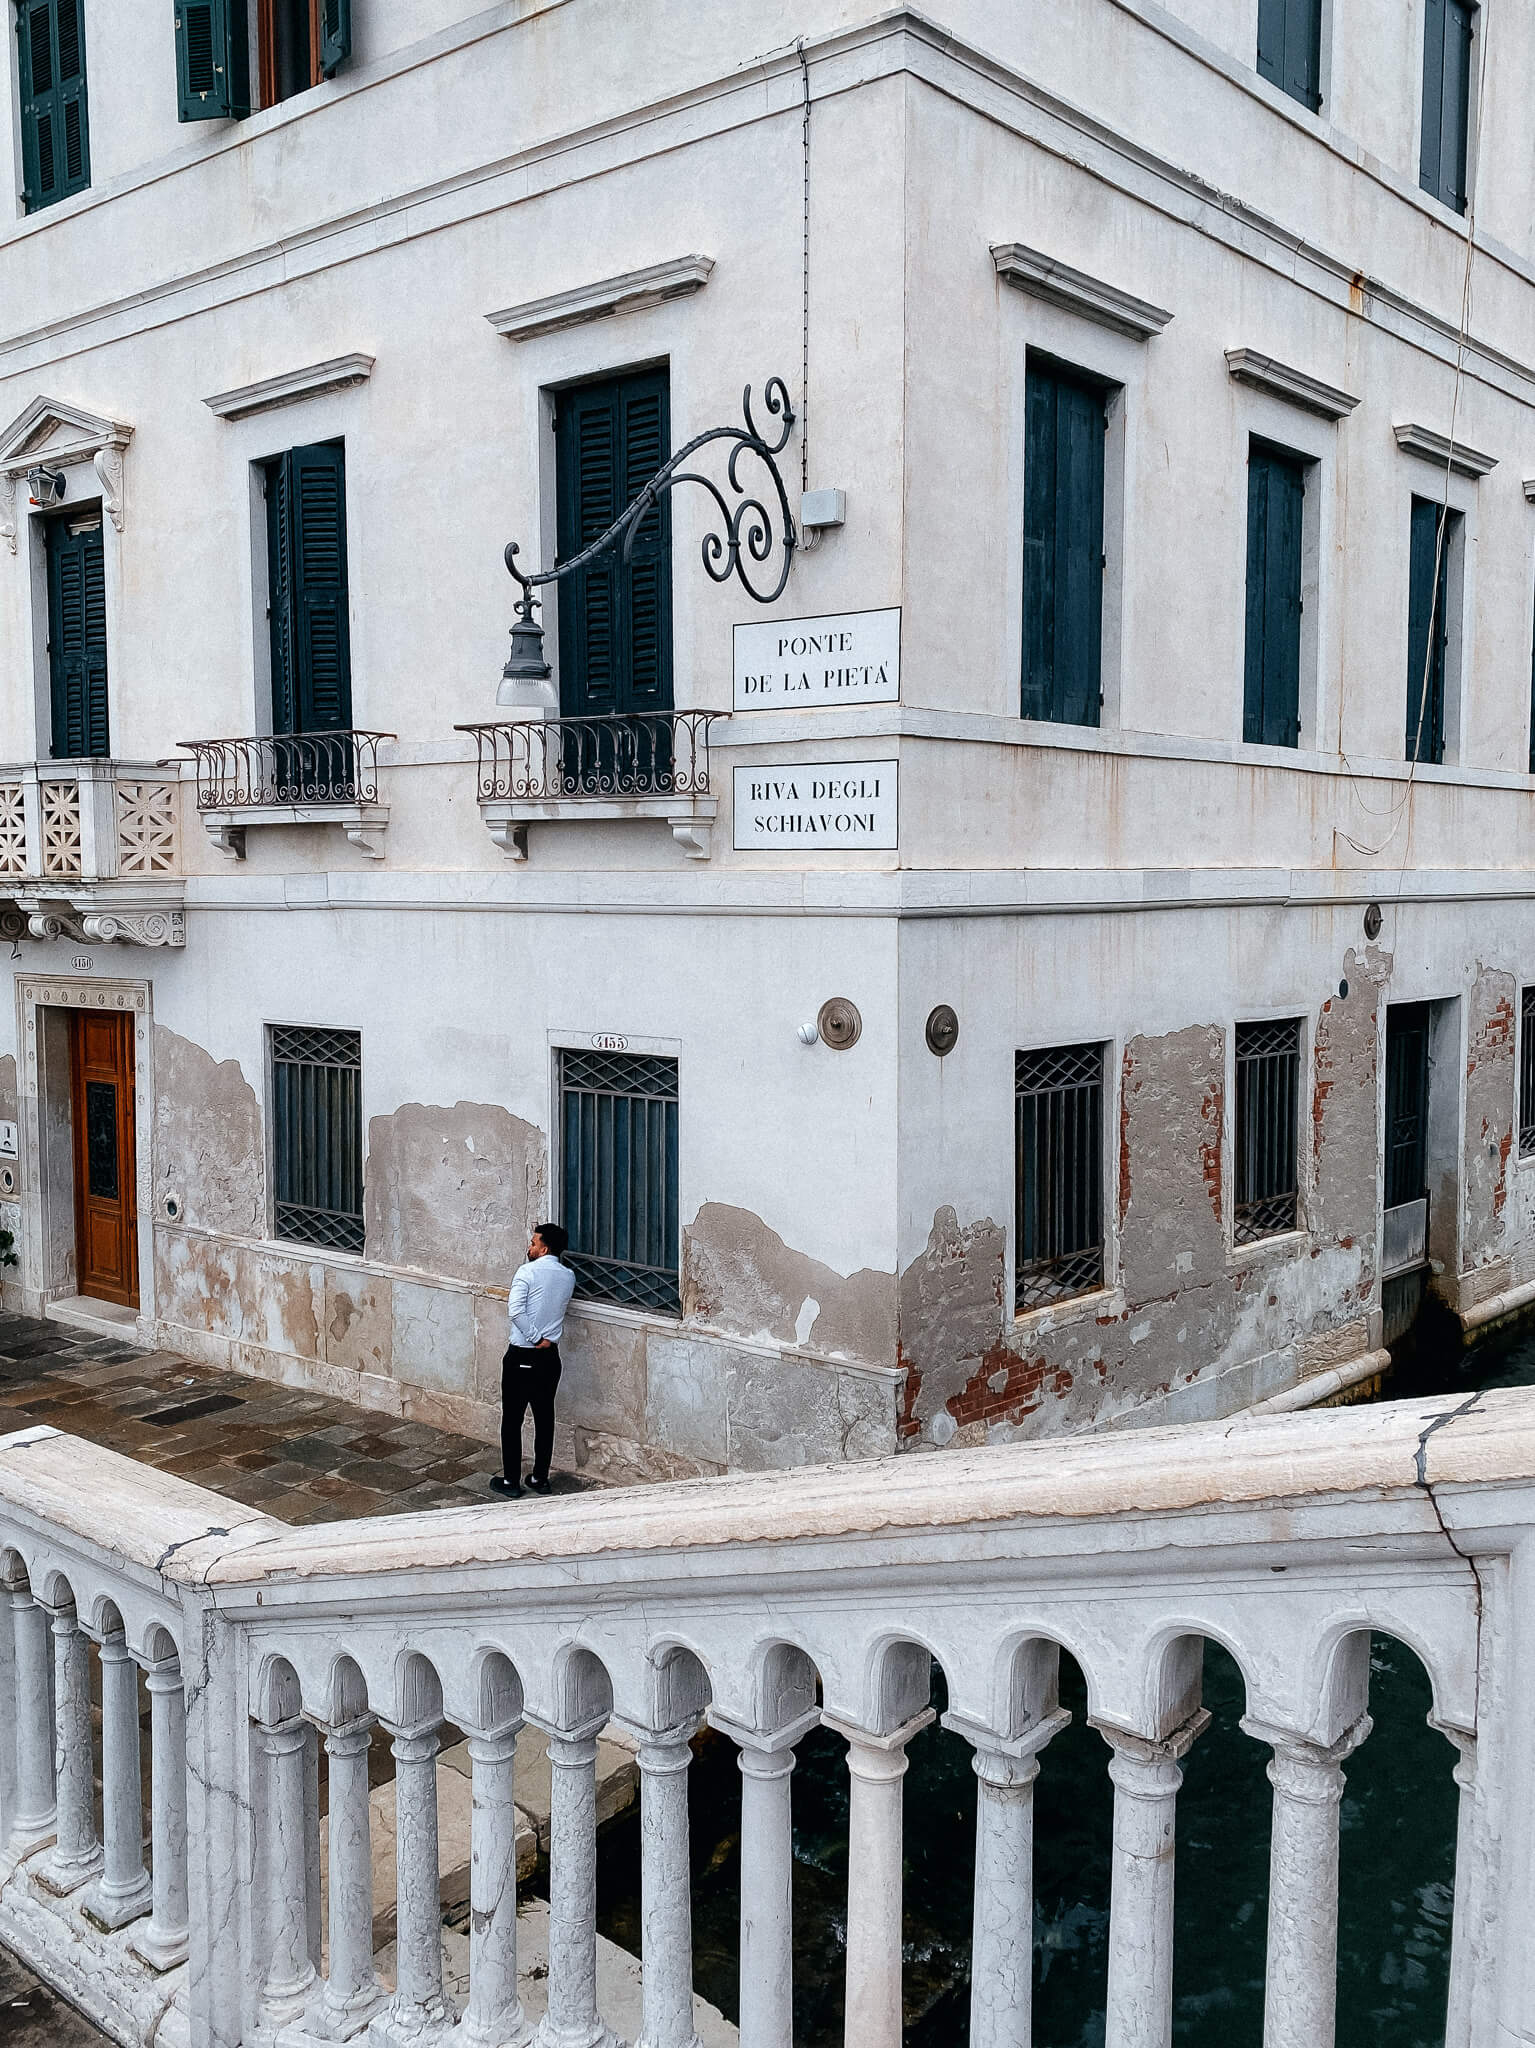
pixel 62 437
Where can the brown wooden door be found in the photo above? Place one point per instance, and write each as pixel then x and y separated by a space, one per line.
pixel 106 1215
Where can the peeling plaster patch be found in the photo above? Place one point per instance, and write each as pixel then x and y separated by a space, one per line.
pixel 453 1191
pixel 1187 1313
pixel 1490 1095
pixel 7 1087
pixel 208 1147
pixel 739 1275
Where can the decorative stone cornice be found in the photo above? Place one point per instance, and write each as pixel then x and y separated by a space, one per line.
pixel 1046 277
pixel 83 437
pixel 336 374
pixel 1441 450
pixel 1295 387
pixel 633 292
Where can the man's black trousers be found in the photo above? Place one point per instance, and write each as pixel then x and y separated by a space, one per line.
pixel 528 1380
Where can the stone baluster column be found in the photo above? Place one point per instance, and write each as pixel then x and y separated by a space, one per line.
pixel 494 2018
pixel 876 1766
pixel 1146 1777
pixel 76 1853
pixel 1002 1947
pixel 122 1892
pixel 35 1794
pixel 419 2011
pixel 666 1881
pixel 767 1878
pixel 352 1990
pixel 572 2020
pixel 290 1973
pixel 1300 1993
pixel 163 1942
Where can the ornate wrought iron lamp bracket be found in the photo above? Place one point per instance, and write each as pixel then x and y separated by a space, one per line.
pixel 744 548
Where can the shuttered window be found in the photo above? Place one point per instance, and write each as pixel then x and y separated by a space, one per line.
pixel 1447 33
pixel 1267 1129
pixel 212 60
pixel 55 126
pixel 299 42
pixel 1276 486
pixel 618 1128
pixel 77 637
pixel 307 590
pixel 1290 48
pixel 1059 1140
pixel 317 1136
pixel 1064 424
pixel 615 615
pixel 1527 1070
pixel 1428 627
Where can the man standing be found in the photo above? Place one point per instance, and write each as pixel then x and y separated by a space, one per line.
pixel 530 1371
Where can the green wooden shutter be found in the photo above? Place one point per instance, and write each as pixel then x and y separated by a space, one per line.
pixel 1447 33
pixel 321 638
pixel 1427 612
pixel 1276 485
pixel 615 616
pixel 279 533
pixel 77 641
pixel 212 60
pixel 55 124
pixel 1064 421
pixel 335 35
pixel 1290 48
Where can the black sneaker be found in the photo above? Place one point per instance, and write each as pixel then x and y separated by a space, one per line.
pixel 539 1486
pixel 499 1483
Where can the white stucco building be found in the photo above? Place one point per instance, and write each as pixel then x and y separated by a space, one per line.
pixel 1183 466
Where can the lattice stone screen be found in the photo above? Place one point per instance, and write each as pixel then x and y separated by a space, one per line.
pixel 146 828
pixel 61 828
pixel 13 829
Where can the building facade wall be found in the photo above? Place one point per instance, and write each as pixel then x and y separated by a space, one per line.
pixel 847 1218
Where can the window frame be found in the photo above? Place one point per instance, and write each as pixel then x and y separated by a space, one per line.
pixel 1307 592
pixel 1321 11
pixel 1109 394
pixel 577 1257
pixel 28 161
pixel 1431 177
pixel 274 1156
pixel 1452 573
pixel 1027 1271
pixel 1243 1236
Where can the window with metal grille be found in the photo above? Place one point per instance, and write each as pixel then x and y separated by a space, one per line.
pixel 618 1132
pixel 1059 1136
pixel 1267 1130
pixel 317 1136
pixel 1527 1071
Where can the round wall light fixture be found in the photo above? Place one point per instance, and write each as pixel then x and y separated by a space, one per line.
pixel 839 1023
pixel 942 1030
pixel 1372 921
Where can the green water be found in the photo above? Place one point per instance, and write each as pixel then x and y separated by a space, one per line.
pixel 1397 1877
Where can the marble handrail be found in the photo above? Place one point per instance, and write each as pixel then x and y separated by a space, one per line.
pixel 765 1604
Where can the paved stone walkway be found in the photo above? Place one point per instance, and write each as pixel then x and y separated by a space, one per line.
pixel 295 1455
pixel 32 2016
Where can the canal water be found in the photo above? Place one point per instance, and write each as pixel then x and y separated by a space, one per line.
pixel 1397 1857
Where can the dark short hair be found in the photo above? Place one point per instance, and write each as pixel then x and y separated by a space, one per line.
pixel 554 1235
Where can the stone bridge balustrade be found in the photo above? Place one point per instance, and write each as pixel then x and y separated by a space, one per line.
pixel 763 1604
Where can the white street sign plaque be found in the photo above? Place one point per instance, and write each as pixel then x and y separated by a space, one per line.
pixel 848 658
pixel 794 805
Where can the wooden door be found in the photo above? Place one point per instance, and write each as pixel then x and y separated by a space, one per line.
pixel 106 1214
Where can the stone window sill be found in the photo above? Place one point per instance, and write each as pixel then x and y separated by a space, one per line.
pixel 363 824
pixel 691 818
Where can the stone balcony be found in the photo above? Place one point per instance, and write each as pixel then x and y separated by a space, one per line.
pixel 90 850
pixel 327 779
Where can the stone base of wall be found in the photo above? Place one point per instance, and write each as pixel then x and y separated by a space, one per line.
pixel 641 1397
pixel 98 1973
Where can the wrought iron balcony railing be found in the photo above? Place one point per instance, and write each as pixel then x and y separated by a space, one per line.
pixel 278 770
pixel 640 755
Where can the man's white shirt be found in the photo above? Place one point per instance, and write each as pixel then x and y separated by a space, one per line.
pixel 541 1292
